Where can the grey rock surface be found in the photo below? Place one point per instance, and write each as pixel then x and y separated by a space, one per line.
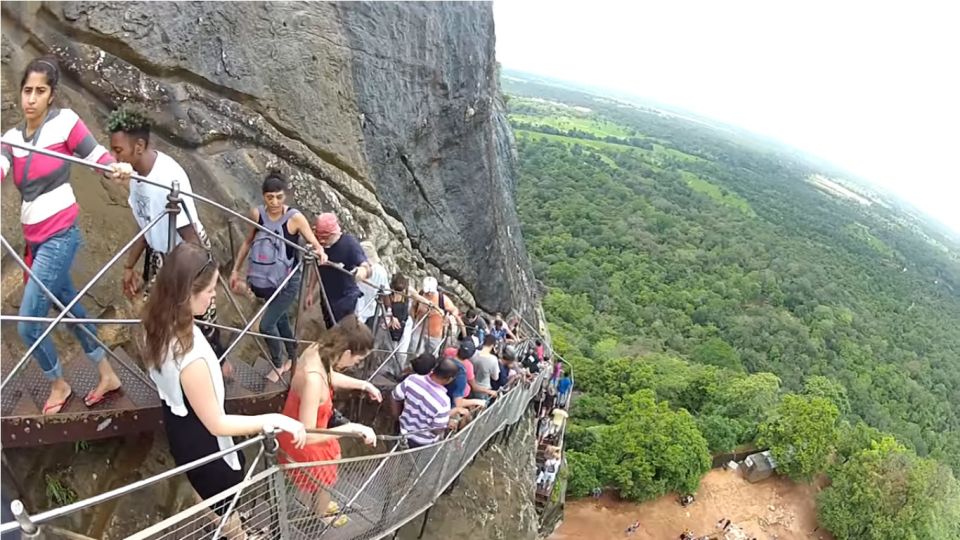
pixel 387 113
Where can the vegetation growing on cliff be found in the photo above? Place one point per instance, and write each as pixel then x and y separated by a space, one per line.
pixel 703 275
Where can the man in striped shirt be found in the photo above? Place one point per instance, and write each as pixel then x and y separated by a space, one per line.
pixel 426 407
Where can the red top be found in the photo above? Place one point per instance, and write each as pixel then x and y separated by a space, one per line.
pixel 309 478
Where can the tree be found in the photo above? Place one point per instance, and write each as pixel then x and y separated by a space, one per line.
pixel 720 432
pixel 886 492
pixel 855 438
pixel 652 450
pixel 717 352
pixel 583 468
pixel 818 385
pixel 801 435
pixel 748 400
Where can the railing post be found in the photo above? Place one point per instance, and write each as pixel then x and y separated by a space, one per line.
pixel 270 448
pixel 28 527
pixel 309 260
pixel 173 208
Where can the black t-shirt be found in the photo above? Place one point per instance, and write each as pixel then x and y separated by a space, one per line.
pixel 340 285
pixel 502 380
pixel 530 362
pixel 473 327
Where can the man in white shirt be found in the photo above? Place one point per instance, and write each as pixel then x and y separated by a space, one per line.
pixel 378 282
pixel 130 143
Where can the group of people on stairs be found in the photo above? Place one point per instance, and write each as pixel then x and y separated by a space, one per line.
pixel 177 283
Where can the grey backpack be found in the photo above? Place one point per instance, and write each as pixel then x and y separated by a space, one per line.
pixel 269 264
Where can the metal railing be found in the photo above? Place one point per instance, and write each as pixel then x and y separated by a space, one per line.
pixel 377 493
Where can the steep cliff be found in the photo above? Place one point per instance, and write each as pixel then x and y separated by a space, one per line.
pixel 492 498
pixel 388 113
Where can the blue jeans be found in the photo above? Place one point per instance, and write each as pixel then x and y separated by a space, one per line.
pixel 276 319
pixel 51 265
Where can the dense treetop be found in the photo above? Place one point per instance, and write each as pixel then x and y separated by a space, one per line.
pixel 690 272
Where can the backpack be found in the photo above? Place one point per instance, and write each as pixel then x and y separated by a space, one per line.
pixel 269 264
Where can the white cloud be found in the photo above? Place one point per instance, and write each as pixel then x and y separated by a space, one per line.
pixel 872 87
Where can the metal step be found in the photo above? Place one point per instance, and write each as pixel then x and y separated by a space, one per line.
pixel 83 376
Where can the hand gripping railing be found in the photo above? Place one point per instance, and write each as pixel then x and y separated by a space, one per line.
pixel 175 204
pixel 454 453
pixel 379 493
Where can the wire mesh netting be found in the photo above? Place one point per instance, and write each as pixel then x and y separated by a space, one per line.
pixel 355 498
pixel 359 497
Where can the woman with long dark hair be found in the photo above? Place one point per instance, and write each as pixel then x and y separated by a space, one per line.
pixel 185 369
pixel 48 214
pixel 311 401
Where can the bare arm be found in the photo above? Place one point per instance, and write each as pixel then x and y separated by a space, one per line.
pixel 469 403
pixel 197 383
pixel 302 227
pixel 131 279
pixel 417 296
pixel 345 382
pixel 363 271
pixel 136 250
pixel 313 393
pixel 247 242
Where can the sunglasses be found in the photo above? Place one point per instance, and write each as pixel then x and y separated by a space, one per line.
pixel 205 265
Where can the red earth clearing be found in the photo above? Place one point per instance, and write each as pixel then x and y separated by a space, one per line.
pixel 775 508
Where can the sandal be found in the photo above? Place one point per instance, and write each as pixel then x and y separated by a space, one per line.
pixel 92 399
pixel 47 407
pixel 339 522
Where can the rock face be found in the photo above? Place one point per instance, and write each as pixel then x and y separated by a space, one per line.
pixel 387 113
pixel 492 500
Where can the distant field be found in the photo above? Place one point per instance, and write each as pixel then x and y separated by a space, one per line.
pixel 718 194
pixel 600 128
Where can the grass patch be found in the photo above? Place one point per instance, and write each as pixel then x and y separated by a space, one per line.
pixel 58 492
pixel 718 194
pixel 599 128
pixel 862 233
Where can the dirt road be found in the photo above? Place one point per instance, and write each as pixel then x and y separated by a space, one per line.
pixel 775 508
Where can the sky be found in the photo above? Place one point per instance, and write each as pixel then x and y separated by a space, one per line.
pixel 873 87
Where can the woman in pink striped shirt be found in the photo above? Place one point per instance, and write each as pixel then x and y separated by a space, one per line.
pixel 48 215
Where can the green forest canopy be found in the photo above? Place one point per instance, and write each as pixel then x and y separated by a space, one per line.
pixel 693 274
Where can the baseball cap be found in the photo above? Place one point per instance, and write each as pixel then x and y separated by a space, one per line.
pixel 466 350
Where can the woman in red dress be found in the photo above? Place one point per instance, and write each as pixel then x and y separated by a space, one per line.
pixel 310 400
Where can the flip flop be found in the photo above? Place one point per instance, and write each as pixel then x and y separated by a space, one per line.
pixel 92 399
pixel 332 509
pixel 339 522
pixel 58 406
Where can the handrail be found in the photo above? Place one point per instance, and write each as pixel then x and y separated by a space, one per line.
pixel 137 177
pixel 79 295
pixel 56 513
pixel 131 487
pixel 308 261
pixel 191 194
pixel 395 350
pixel 56 301
pixel 94 165
pixel 130 322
